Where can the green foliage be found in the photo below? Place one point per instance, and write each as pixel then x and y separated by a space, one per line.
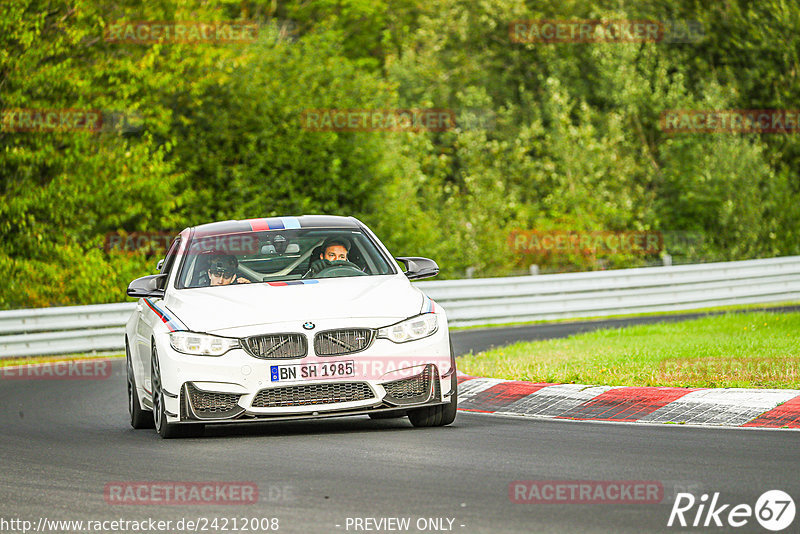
pixel 549 137
pixel 70 275
pixel 249 154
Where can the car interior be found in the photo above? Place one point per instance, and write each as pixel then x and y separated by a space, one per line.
pixel 288 255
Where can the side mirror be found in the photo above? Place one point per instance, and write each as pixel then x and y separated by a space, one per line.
pixel 417 268
pixel 148 286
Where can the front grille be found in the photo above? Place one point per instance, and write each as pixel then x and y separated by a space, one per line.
pixel 310 394
pixel 338 342
pixel 209 404
pixel 414 387
pixel 276 346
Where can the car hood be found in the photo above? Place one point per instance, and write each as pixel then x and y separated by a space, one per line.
pixel 212 309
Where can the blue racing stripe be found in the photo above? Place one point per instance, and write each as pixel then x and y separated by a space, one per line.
pixel 290 223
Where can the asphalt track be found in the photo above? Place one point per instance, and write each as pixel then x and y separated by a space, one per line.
pixel 63 441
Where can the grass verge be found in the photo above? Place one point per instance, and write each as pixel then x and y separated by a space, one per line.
pixel 753 350
pixel 736 307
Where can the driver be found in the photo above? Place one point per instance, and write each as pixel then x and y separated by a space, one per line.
pixel 222 271
pixel 334 252
pixel 335 249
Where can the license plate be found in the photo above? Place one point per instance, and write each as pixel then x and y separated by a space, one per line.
pixel 301 371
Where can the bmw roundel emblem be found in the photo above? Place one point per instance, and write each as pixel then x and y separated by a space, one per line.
pixel 308 325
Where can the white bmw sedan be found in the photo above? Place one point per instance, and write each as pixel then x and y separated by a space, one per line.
pixel 285 318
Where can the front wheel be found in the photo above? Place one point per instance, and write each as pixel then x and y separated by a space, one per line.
pixel 440 415
pixel 164 428
pixel 139 418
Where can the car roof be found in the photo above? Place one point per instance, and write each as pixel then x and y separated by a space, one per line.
pixel 278 223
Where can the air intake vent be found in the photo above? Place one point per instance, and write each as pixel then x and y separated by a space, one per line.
pixel 339 342
pixel 415 388
pixel 209 404
pixel 310 394
pixel 276 346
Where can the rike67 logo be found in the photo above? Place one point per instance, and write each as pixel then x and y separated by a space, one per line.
pixel 774 510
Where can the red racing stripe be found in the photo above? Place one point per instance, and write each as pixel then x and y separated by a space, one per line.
pixel 498 397
pixel 258 225
pixel 161 316
pixel 626 403
pixel 786 415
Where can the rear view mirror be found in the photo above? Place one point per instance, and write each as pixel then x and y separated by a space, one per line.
pixel 280 243
pixel 269 250
pixel 417 268
pixel 148 286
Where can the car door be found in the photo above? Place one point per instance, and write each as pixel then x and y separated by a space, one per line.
pixel 147 319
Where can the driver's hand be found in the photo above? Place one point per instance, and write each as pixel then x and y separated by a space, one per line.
pixel 240 280
pixel 318 265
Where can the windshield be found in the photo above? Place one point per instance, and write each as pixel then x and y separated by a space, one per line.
pixel 279 255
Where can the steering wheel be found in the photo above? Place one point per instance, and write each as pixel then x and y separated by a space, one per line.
pixel 340 268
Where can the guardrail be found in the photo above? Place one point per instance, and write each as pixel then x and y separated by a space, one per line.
pixel 602 293
pixel 64 330
pixel 485 301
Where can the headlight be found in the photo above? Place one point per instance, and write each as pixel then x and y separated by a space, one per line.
pixel 415 328
pixel 201 344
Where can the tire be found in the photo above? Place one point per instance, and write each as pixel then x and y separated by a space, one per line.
pixel 164 428
pixel 440 415
pixel 139 418
pixel 387 415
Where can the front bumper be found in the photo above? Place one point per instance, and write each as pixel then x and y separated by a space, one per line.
pixel 237 387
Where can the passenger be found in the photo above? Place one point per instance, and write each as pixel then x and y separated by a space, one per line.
pixel 222 271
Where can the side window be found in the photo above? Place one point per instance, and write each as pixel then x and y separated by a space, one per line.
pixel 172 253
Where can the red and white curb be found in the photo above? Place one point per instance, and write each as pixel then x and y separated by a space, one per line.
pixel 764 408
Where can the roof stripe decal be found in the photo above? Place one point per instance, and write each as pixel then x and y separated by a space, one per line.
pixel 274 223
pixel 291 223
pixel 258 225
